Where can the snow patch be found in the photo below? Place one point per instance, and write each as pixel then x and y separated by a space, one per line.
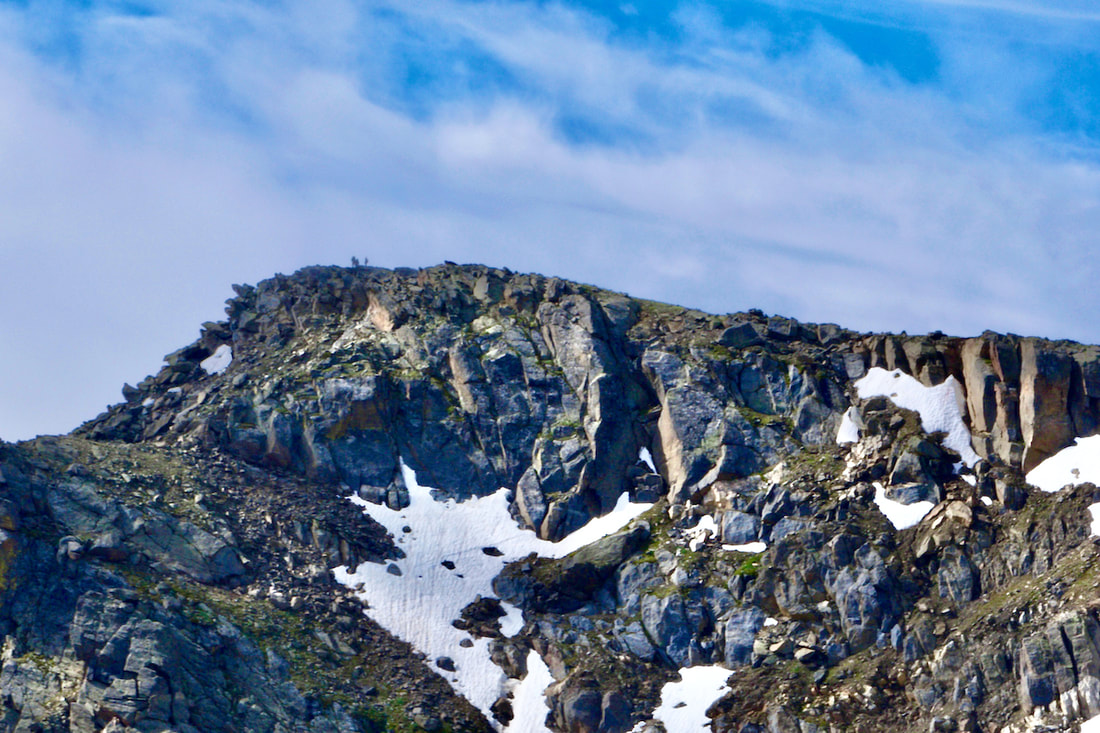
pixel 419 605
pixel 987 501
pixel 769 621
pixel 941 407
pixel 219 361
pixel 684 704
pixel 597 528
pixel 701 532
pixel 1073 465
pixel 753 548
pixel 528 700
pixel 902 516
pixel 511 623
pixel 850 427
pixel 647 458
pixel 1092 725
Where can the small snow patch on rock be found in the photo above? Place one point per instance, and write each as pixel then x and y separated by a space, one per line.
pixel 219 361
pixel 752 548
pixel 684 704
pixel 902 516
pixel 699 534
pixel 850 426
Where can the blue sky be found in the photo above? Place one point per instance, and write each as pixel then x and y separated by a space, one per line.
pixel 888 166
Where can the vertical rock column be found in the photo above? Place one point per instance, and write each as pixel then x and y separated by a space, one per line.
pixel 1044 401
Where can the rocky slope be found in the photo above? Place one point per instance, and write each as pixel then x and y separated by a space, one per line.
pixel 173 564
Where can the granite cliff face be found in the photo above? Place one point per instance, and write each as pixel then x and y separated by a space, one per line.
pixel 173 564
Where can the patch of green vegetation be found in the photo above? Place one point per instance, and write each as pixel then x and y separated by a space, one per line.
pixel 407 374
pixel 565 426
pixel 813 461
pixel 388 716
pixel 526 322
pixel 653 308
pixel 372 719
pixel 663 591
pixel 568 421
pixel 455 413
pixel 1021 593
pixel 659 524
pixel 141 582
pixel 45 665
pixel 200 615
pixel 590 290
pixel 718 352
pixel 760 419
pixel 551 367
pixel 8 552
pixel 689 559
pixel 749 567
pixel 819 374
pixel 443 386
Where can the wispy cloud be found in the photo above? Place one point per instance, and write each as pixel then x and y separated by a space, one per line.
pixel 1065 11
pixel 147 160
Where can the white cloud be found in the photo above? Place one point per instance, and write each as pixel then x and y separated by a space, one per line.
pixel 219 143
pixel 1061 11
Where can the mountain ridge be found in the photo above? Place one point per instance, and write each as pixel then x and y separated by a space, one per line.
pixel 203 517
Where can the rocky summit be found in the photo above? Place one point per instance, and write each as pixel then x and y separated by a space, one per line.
pixel 464 499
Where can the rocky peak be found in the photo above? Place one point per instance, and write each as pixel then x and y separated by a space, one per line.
pixel 855 568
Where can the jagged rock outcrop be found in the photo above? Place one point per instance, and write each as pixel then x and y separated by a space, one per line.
pixel 168 566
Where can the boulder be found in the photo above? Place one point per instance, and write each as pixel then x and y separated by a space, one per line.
pixel 740 335
pixel 957 578
pixel 739 633
pixel 668 624
pixel 738 528
pixel 633 638
pixel 563 586
pixel 632 579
